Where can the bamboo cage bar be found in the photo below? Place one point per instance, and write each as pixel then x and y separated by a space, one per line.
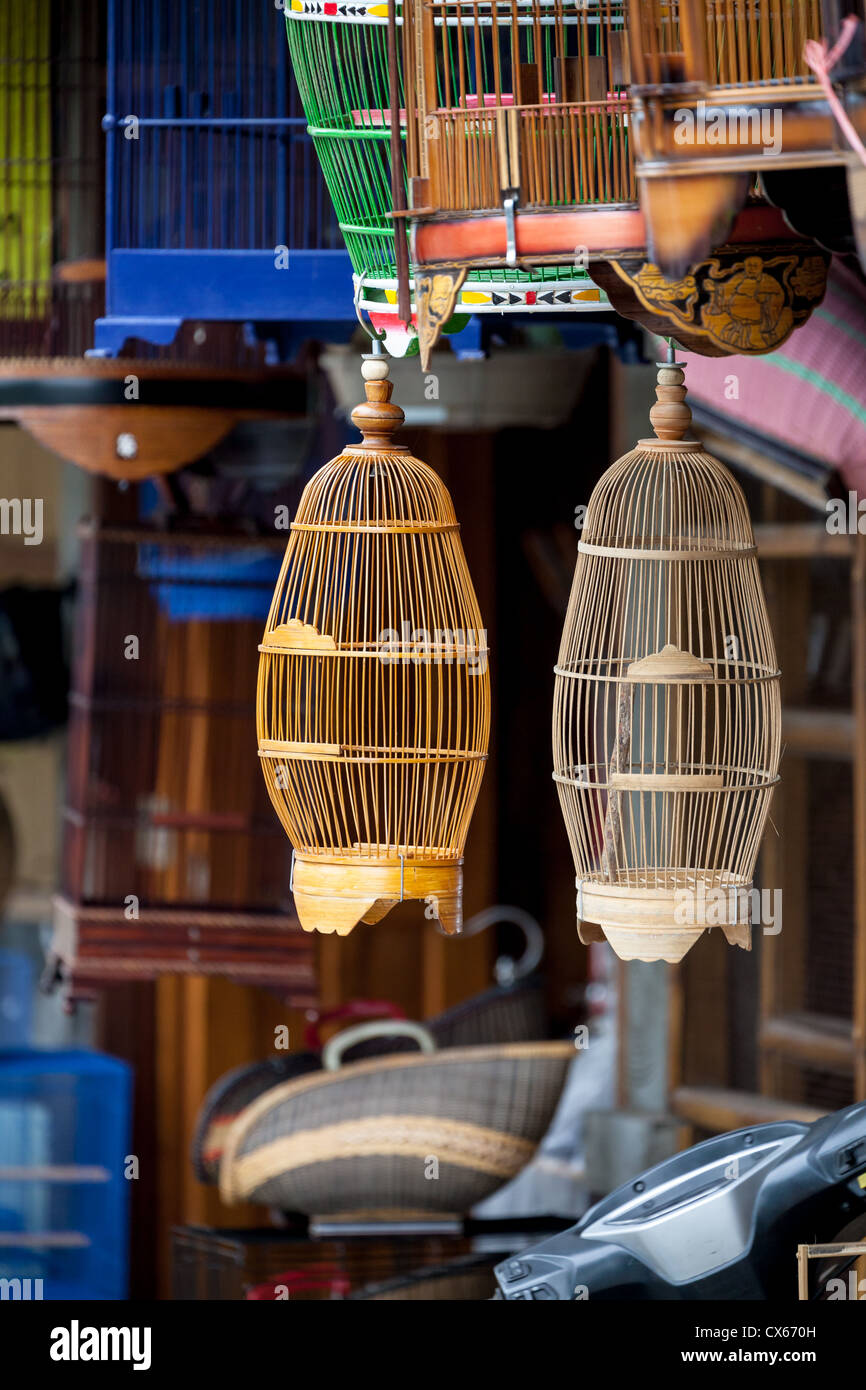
pixel 725 43
pixel 565 67
pixel 551 62
pixel 374 692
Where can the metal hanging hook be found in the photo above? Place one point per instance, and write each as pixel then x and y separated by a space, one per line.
pixel 377 337
pixel 506 970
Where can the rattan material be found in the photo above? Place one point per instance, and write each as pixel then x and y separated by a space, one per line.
pixel 515 1013
pixel 666 725
pixel 362 1138
pixel 498 1015
pixel 229 1096
pixel 374 693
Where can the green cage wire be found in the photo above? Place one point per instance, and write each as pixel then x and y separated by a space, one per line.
pixel 340 61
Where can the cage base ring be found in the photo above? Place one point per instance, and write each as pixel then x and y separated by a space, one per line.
pixel 335 893
pixel 654 924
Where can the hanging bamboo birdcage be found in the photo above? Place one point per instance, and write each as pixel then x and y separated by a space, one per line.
pixel 374 693
pixel 666 718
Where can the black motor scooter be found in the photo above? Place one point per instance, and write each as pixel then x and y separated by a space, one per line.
pixel 720 1221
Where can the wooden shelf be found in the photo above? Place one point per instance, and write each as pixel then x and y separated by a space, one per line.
pixel 799 540
pixel 810 1038
pixel 63 1173
pixel 794 1044
pixel 717 1109
pixel 818 733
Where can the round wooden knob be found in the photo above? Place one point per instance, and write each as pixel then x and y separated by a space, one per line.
pixel 670 417
pixel 375 366
pixel 377 418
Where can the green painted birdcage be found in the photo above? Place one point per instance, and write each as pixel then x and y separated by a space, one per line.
pixel 339 54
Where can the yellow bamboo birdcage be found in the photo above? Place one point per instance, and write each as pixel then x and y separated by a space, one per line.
pixel 374 692
pixel 666 725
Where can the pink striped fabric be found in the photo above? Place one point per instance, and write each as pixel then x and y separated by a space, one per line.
pixel 811 393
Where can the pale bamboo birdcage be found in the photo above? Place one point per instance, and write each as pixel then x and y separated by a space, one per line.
pixel 374 692
pixel 667 719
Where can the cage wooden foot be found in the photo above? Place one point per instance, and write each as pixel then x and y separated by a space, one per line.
pixel 435 296
pixel 687 216
pixel 661 923
pixel 334 895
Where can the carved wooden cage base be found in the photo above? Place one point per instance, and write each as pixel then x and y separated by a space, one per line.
pixel 335 894
pixel 663 922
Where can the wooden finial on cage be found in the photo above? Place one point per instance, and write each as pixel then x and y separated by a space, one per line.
pixel 670 417
pixel 377 418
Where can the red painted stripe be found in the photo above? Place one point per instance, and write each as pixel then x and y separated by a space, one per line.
pixel 602 230
pixel 599 229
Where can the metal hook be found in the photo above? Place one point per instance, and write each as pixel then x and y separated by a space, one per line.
pixel 507 971
pixel 378 338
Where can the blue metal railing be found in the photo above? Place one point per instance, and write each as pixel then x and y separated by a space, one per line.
pixel 209 173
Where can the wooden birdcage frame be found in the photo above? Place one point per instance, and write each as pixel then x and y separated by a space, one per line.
pixel 513 103
pixel 842 1252
pixel 374 692
pixel 342 61
pixel 171 862
pixel 666 726
pixel 511 93
pixel 522 130
pixel 743 64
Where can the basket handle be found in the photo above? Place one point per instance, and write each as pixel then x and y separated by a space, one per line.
pixel 508 971
pixel 386 1027
pixel 355 1008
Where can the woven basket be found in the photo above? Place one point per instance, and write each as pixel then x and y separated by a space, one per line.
pixel 229 1096
pixel 517 1013
pixel 237 1088
pixel 512 1010
pixel 367 1139
pixel 499 1015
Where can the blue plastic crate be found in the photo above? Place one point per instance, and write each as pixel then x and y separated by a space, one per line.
pixel 64 1195
pixel 211 585
pixel 215 174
